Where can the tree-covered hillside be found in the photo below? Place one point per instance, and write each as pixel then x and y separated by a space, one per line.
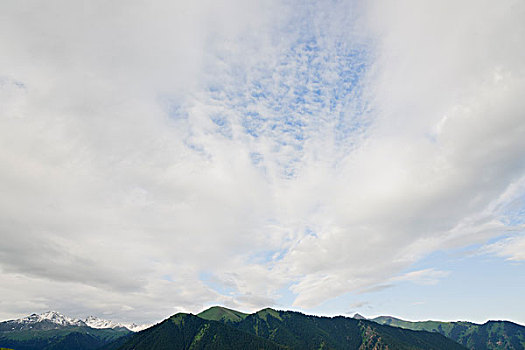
pixel 271 329
pixel 82 338
pixel 298 331
pixel 493 335
pixel 186 331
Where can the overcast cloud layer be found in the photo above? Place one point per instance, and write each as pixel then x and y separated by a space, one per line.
pixel 164 157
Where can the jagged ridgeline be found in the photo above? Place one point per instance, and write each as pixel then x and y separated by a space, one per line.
pixel 221 328
pixel 54 331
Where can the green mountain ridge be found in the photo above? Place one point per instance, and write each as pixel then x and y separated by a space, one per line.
pixel 268 329
pixel 300 331
pixel 187 331
pixel 222 328
pixel 497 335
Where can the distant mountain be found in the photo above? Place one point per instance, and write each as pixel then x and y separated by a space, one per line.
pixel 222 328
pixel 45 321
pixel 55 320
pixel 269 329
pixel 95 322
pixel 52 330
pixel 490 335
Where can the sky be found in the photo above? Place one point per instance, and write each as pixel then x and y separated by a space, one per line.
pixel 330 157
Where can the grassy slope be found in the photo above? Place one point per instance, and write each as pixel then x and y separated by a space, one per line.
pixel 219 313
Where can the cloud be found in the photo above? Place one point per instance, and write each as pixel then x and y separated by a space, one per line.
pixel 160 157
pixel 511 248
pixel 425 277
pixel 359 304
pixel 356 306
pixel 100 190
pixel 445 146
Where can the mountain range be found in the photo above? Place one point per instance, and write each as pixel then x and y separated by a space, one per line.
pixel 52 330
pixel 55 320
pixel 223 328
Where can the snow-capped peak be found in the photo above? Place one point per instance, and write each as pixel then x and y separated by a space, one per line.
pixel 137 327
pixel 55 320
pixel 52 316
pixel 95 322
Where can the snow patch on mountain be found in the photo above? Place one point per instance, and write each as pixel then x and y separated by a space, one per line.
pixel 52 316
pixel 54 320
pixel 137 327
pixel 95 322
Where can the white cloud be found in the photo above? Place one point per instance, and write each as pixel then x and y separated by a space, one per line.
pixel 120 189
pixel 409 190
pixel 426 276
pixel 511 248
